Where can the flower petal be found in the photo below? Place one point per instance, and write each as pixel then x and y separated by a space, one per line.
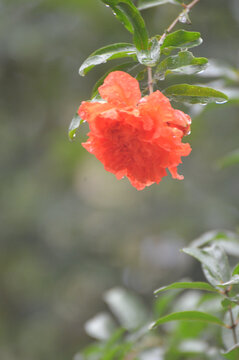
pixel 139 139
pixel 89 110
pixel 120 89
pixel 174 173
pixel 181 121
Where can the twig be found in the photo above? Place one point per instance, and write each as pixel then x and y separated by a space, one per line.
pixel 233 326
pixel 187 8
pixel 150 80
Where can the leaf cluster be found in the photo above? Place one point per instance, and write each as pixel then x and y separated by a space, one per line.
pixel 186 317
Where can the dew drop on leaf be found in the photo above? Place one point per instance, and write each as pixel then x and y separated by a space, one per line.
pixel 221 101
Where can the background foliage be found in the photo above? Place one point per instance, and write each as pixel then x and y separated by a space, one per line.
pixel 69 230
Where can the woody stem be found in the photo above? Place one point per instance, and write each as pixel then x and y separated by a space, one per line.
pixel 233 326
pixel 150 80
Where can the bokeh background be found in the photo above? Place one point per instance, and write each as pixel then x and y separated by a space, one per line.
pixel 69 229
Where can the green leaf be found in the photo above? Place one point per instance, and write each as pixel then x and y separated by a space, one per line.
pixel 227 302
pixel 109 52
pixel 189 316
pixel 74 125
pixel 127 67
pixel 193 94
pixel 236 270
pixel 150 57
pixel 127 307
pixel 187 285
pixel 123 19
pixel 116 347
pixel 181 39
pixel 230 159
pixel 146 4
pixel 214 263
pixel 101 326
pixel 232 353
pixel 182 63
pixel 227 239
pixel 130 16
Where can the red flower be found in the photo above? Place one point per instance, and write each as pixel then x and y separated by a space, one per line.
pixel 132 136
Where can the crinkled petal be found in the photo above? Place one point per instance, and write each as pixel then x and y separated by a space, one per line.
pixel 158 106
pixel 174 173
pixel 181 121
pixel 89 110
pixel 139 139
pixel 120 89
pixel 139 185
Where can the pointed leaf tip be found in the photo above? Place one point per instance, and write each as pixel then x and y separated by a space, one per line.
pixel 109 52
pixel 131 18
pixel 193 94
pixel 187 285
pixel 74 125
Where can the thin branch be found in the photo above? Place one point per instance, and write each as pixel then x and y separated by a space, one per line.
pixel 185 11
pixel 233 326
pixel 187 8
pixel 150 80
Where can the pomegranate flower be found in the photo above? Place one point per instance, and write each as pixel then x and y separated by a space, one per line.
pixel 132 136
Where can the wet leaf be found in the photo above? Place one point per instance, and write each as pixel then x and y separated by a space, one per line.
pixel 100 326
pixel 187 285
pixel 227 239
pixel 182 63
pixel 150 57
pixel 130 16
pixel 146 4
pixel 193 94
pixel 189 316
pixel 74 125
pixel 236 270
pixel 214 263
pixel 109 52
pixel 181 39
pixel 127 307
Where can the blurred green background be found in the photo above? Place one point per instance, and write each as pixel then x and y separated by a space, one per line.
pixel 70 230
